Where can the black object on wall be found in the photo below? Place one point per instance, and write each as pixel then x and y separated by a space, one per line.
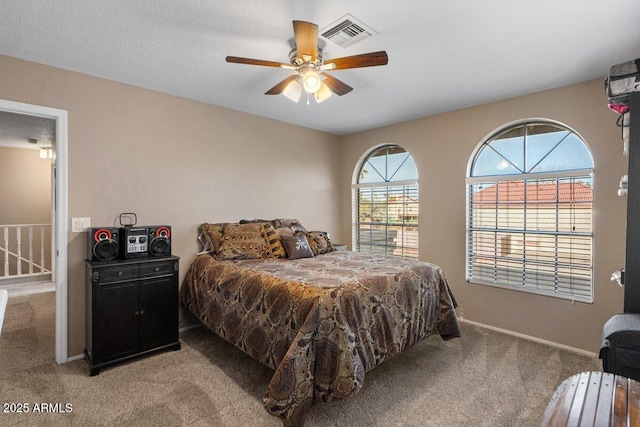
pixel 632 261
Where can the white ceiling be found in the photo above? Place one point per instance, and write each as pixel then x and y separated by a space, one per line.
pixel 443 55
pixel 25 131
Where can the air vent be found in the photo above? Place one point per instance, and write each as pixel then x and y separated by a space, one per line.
pixel 347 31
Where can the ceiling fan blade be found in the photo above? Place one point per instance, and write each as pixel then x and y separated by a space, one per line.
pixel 277 89
pixel 336 86
pixel 250 61
pixel 306 35
pixel 357 61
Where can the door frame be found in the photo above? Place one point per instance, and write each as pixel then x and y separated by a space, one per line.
pixel 59 214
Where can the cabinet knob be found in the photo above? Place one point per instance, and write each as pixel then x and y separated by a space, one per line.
pixel 156 269
pixel 119 273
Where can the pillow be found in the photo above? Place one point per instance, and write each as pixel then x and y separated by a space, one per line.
pixel 243 241
pixel 210 236
pixel 253 221
pixel 276 250
pixel 319 242
pixel 296 246
pixel 293 224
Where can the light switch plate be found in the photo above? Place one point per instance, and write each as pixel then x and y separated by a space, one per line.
pixel 78 225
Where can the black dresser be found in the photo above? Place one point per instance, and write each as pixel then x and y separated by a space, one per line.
pixel 132 309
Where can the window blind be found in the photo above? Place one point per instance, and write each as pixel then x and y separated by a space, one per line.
pixel 533 234
pixel 387 218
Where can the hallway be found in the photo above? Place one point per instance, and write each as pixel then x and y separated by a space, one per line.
pixel 21 289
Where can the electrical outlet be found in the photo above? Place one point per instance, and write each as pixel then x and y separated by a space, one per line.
pixel 78 225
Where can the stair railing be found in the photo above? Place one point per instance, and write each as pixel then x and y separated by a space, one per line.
pixel 14 254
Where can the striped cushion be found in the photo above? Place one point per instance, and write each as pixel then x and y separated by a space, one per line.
pixel 273 240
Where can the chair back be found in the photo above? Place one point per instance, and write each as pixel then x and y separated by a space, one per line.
pixel 4 298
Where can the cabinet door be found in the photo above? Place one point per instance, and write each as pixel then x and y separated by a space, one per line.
pixel 117 329
pixel 158 312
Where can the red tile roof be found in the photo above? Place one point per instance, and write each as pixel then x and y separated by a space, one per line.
pixel 546 193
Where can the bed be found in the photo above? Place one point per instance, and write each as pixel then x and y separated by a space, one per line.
pixel 320 321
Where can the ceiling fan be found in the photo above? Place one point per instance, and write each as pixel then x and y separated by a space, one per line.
pixel 307 59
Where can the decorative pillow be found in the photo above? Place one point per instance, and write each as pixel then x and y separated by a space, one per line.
pixel 319 242
pixel 210 236
pixel 276 250
pixel 253 221
pixel 284 232
pixel 293 224
pixel 296 246
pixel 243 241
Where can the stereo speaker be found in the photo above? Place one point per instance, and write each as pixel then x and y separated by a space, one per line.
pixel 103 244
pixel 160 241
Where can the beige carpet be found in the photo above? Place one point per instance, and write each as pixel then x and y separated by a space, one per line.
pixel 484 378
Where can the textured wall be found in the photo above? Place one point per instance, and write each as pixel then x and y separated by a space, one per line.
pixel 442 146
pixel 173 161
pixel 181 162
pixel 25 187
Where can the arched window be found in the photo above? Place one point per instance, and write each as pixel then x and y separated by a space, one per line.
pixel 386 203
pixel 529 216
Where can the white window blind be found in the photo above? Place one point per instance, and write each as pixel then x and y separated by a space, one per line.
pixel 531 231
pixel 385 204
pixel 387 219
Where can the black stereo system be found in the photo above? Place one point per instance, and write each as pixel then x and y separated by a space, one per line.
pixel 109 243
pixel 134 242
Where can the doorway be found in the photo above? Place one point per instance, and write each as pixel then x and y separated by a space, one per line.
pixel 59 214
pixel 26 192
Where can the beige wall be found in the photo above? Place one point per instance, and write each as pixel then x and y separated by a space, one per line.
pixel 179 162
pixel 174 161
pixel 25 187
pixel 442 145
pixel 25 198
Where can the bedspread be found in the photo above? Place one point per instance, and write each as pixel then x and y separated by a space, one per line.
pixel 320 322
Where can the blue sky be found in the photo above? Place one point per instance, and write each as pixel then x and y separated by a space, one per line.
pixel 544 152
pixel 394 167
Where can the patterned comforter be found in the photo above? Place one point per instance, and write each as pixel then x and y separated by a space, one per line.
pixel 320 322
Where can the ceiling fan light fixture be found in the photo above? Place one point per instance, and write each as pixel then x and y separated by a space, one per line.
pixel 46 153
pixel 293 91
pixel 311 80
pixel 308 61
pixel 323 93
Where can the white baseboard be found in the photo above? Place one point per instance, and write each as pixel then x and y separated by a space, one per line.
pixel 186 328
pixel 181 330
pixel 76 357
pixel 482 325
pixel 530 338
